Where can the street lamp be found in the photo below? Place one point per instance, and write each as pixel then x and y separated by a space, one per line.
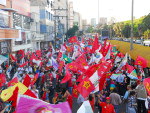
pixel 132 10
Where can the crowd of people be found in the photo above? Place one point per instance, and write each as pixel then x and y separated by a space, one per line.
pixel 48 75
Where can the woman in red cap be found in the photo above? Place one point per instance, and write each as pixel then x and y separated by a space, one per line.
pixel 107 107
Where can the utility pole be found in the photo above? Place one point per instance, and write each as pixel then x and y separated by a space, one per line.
pixel 67 18
pixel 55 31
pixel 55 26
pixel 98 11
pixel 132 10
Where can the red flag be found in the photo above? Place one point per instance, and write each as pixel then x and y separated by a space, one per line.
pixel 24 64
pixel 30 93
pixel 33 57
pixel 22 54
pixel 27 81
pixel 90 41
pixel 72 66
pixel 85 87
pixel 141 61
pixel 104 50
pixel 65 45
pixel 101 82
pixel 73 39
pixel 59 54
pixel 69 49
pixel 80 78
pixel 67 77
pixel 2 79
pixel 81 60
pixel 75 92
pixel 14 96
pixel 12 82
pixel 95 45
pixel 105 66
pixel 61 64
pixel 35 78
pixel 129 68
pixel 121 55
pixel 13 58
pixel 38 53
pixel 146 83
pixel 91 70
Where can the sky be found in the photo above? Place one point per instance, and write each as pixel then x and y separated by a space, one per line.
pixel 120 9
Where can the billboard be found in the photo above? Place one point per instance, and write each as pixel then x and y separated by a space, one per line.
pixel 22 7
pixel 3 2
pixel 104 34
pixel 8 33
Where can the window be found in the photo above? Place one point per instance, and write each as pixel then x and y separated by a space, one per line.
pixel 17 20
pixel 26 22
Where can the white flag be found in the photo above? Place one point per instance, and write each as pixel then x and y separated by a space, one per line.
pixel 95 81
pixel 8 71
pixel 2 59
pixel 38 62
pixel 85 108
pixel 123 63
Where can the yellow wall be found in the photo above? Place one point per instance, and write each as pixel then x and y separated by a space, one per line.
pixel 138 50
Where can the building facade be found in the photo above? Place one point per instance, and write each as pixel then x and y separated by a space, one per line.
pixel 70 15
pixel 78 20
pixel 22 21
pixel 85 25
pixel 93 22
pixel 60 8
pixel 103 21
pixel 44 21
pixel 7 33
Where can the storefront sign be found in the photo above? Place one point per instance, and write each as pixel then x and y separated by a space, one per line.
pixel 9 34
pixel 3 2
pixel 5 47
pixel 22 7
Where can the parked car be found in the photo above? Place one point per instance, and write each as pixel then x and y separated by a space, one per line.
pixel 120 39
pixel 146 43
pixel 138 41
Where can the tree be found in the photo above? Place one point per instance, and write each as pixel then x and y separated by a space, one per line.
pixel 126 31
pixel 147 34
pixel 90 29
pixel 146 22
pixel 72 31
pixel 118 29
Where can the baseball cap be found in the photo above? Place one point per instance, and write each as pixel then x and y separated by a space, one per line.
pixel 107 98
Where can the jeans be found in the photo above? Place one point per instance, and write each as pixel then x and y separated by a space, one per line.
pixel 116 107
pixel 70 90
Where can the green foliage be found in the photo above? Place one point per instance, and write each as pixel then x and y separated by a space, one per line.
pixel 72 31
pixel 146 21
pixel 90 29
pixel 126 31
pixel 122 29
pixel 147 34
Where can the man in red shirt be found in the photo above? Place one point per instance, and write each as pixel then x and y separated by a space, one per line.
pixel 106 106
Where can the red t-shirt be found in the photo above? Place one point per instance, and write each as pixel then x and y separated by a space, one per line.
pixel 107 108
pixel 70 83
pixel 70 101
